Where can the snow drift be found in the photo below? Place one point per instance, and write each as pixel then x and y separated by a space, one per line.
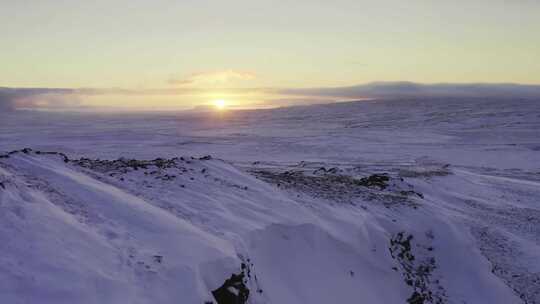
pixel 202 230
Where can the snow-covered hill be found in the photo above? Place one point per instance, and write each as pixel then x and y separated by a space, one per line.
pixel 264 223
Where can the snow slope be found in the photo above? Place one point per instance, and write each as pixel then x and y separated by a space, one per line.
pixel 363 204
pixel 74 233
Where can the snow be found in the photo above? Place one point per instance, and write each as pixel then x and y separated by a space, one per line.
pixel 283 200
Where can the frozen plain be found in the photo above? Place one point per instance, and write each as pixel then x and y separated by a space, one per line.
pixel 387 201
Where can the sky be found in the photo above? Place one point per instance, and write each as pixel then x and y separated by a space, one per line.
pixel 246 51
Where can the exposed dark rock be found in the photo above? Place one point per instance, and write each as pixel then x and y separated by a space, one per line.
pixel 158 258
pixel 123 165
pixel 233 291
pixel 411 192
pixel 375 180
pixel 417 272
pixel 433 171
pixel 323 170
pixel 378 188
pixel 501 252
pixel 416 298
pixel 30 151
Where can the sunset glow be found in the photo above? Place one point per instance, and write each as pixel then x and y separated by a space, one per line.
pixel 220 104
pixel 188 54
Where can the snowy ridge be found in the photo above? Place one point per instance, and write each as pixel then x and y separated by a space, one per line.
pixel 176 230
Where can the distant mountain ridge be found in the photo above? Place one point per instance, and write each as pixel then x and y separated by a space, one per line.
pixel 412 89
pixel 62 98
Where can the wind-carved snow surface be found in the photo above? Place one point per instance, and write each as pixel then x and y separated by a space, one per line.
pixel 256 223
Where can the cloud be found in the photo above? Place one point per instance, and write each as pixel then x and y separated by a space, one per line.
pixel 213 78
pixel 15 98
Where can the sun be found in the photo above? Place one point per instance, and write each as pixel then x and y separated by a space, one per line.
pixel 220 104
